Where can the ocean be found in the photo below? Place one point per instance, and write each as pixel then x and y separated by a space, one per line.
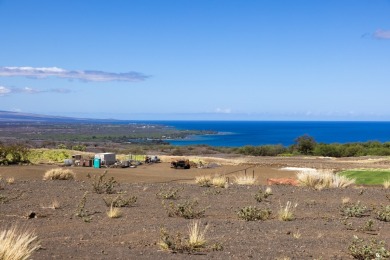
pixel 241 133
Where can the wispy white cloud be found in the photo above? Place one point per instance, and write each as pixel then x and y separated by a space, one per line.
pixel 382 34
pixel 378 34
pixel 84 75
pixel 223 110
pixel 4 91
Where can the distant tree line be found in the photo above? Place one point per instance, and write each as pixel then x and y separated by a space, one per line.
pixel 303 145
pixel 307 145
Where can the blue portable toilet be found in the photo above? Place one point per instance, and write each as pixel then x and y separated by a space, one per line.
pixel 96 163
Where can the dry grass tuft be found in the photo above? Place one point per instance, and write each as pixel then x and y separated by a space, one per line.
pixel 10 180
pixel 345 200
pixel 59 174
pixel 287 213
pixel 321 179
pixel 297 234
pixel 340 181
pixel 55 204
pixel 203 181
pixel 208 181
pixel 219 181
pixel 195 242
pixel 196 235
pixel 268 191
pixel 17 244
pixel 244 180
pixel 386 184
pixel 317 179
pixel 114 212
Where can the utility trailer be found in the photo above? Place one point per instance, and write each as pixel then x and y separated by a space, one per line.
pixel 106 158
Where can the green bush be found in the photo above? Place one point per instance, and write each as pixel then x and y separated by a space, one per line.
pixel 260 195
pixel 331 150
pixel 372 249
pixel 250 213
pixel 187 209
pixel 48 156
pixel 81 211
pixel 120 201
pixel 305 144
pixel 264 150
pixel 79 147
pixel 170 194
pixel 368 226
pixel 101 185
pixel 384 213
pixel 352 149
pixel 13 154
pixel 61 146
pixel 354 210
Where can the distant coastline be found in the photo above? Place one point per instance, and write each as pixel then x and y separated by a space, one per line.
pixel 239 133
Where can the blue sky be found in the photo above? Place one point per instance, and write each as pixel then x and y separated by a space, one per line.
pixel 197 59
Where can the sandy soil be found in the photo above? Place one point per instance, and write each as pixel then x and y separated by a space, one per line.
pixel 324 232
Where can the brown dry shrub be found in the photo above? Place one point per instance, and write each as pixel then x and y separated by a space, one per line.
pixel 59 174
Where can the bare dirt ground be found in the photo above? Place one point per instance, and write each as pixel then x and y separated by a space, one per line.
pixel 319 231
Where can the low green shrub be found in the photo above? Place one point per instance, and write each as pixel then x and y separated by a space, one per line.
pixel 260 195
pixel 188 209
pixel 101 185
pixel 170 194
pixel 383 214
pixel 368 226
pixel 81 210
pixel 119 201
pixel 356 210
pixel 251 213
pixel 79 147
pixel 372 249
pixel 3 199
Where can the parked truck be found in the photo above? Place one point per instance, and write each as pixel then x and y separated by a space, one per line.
pixel 184 164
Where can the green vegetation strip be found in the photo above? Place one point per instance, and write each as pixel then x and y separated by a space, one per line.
pixel 50 155
pixel 368 177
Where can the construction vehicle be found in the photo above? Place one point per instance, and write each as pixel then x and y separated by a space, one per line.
pixel 152 159
pixel 184 164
